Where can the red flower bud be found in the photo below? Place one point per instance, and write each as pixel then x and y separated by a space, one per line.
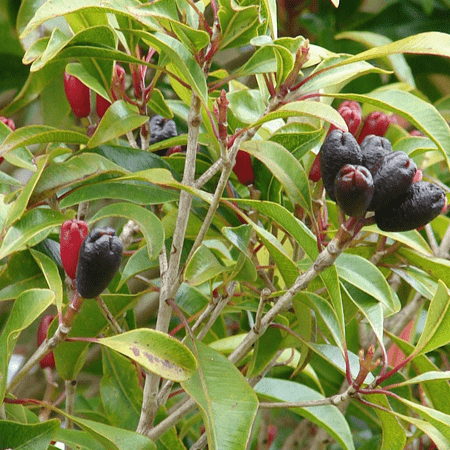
pixel 101 105
pixel 73 233
pixel 243 168
pixel 375 123
pixel 352 104
pixel 8 122
pixel 352 119
pixel 49 359
pixel 314 173
pixel 78 95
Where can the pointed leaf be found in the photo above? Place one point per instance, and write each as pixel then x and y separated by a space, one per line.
pixel 203 266
pixel 155 351
pixel 227 402
pixel 20 436
pixel 327 417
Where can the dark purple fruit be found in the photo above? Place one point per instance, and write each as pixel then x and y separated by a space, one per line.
pixel 160 130
pixel 394 176
pixel 354 189
pixel 99 259
pixel 373 149
pixel 338 149
pixel 421 203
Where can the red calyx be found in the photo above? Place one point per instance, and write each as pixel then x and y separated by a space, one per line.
pixel 243 168
pixel 352 104
pixel 49 359
pixel 78 95
pixel 101 105
pixel 73 233
pixel 352 119
pixel 8 122
pixel 375 123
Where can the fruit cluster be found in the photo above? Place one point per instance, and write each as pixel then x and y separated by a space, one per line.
pixel 372 177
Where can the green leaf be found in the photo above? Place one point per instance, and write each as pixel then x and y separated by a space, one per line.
pixel 327 417
pixel 332 76
pixel 51 273
pixel 226 401
pixel 436 332
pixel 394 435
pixel 149 224
pixel 317 110
pixel 56 8
pixel 238 24
pixel 138 262
pixel 40 134
pixel 155 351
pixel 366 277
pixel 20 204
pixel 112 438
pixel 26 309
pixel 19 436
pixel 203 266
pixel 119 118
pixel 32 224
pixel 120 391
pixel 396 62
pixel 192 299
pixel 79 168
pixel 132 191
pixel 73 438
pixel 285 168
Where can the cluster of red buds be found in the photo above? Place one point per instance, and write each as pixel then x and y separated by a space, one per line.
pixel 79 95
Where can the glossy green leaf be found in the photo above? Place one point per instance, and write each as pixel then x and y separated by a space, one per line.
pixel 120 391
pixel 203 266
pixel 51 273
pixel 77 437
pixel 149 224
pixel 89 322
pixel 396 62
pixel 155 351
pixel 246 105
pixel 227 403
pixel 119 118
pixel 26 309
pixel 112 438
pixel 394 435
pixel 192 298
pixel 55 8
pixel 316 110
pixel 138 262
pixel 31 224
pixel 332 76
pixel 40 134
pixel 92 82
pixel 82 167
pixel 19 436
pixel 418 280
pixel 20 274
pixel 327 417
pixel 158 104
pixel 436 332
pixel 20 204
pixel 366 277
pixel 284 167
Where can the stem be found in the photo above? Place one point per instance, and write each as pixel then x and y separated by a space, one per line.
pixel 71 386
pixel 108 316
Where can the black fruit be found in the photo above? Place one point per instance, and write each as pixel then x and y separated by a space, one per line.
pixel 338 149
pixel 99 259
pixel 354 189
pixel 393 176
pixel 160 130
pixel 421 203
pixel 373 149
